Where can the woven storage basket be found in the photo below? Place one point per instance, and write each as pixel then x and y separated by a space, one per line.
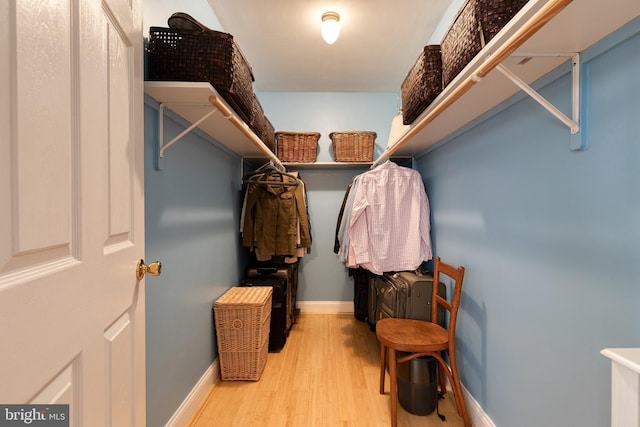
pixel 242 319
pixel 261 126
pixel 299 147
pixel 422 84
pixel 477 22
pixel 354 146
pixel 202 56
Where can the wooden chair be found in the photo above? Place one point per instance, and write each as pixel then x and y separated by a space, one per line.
pixel 425 338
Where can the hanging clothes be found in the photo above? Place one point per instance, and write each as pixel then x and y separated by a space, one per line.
pixel 385 224
pixel 336 245
pixel 274 219
pixel 344 223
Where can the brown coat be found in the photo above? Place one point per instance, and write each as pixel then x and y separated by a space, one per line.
pixel 272 215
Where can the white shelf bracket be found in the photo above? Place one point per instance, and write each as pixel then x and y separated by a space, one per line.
pixel 572 123
pixel 163 146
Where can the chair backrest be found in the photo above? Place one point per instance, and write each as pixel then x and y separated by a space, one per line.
pixel 457 275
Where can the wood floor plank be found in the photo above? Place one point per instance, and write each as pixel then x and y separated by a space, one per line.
pixel 326 375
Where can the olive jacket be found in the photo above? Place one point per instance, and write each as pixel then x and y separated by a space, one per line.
pixel 275 218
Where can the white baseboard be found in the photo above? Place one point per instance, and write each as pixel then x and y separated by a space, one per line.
pixel 325 307
pixel 186 410
pixel 478 417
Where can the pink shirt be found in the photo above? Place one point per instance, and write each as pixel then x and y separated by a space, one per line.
pixel 389 225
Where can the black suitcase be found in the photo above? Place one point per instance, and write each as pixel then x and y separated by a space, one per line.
pixel 360 292
pixel 387 295
pixel 278 327
pixel 286 273
pixel 372 302
pixel 407 294
pixel 278 265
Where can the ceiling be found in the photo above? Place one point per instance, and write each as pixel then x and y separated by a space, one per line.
pixel 378 44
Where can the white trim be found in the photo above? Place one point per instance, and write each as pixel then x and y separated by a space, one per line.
pixel 325 307
pixel 190 404
pixel 478 417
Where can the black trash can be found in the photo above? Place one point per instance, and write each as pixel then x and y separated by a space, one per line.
pixel 418 384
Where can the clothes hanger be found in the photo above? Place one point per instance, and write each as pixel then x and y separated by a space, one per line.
pixel 274 183
pixel 261 169
pixel 268 167
pixel 267 170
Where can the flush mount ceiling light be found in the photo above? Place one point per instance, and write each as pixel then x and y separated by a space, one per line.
pixel 330 27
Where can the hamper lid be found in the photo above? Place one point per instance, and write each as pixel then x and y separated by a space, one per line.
pixel 245 295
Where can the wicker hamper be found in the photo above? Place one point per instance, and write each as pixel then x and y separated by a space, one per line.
pixel 354 146
pixel 301 147
pixel 176 54
pixel 242 319
pixel 477 22
pixel 261 126
pixel 422 84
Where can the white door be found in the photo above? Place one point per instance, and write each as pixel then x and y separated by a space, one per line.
pixel 71 208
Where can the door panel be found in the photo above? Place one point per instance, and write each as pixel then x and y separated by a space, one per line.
pixel 42 136
pixel 37 142
pixel 120 143
pixel 71 210
pixel 119 354
pixel 63 389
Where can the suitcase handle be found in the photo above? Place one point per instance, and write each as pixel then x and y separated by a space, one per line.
pixel 267 270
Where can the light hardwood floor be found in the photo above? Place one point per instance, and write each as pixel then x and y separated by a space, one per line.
pixel 326 375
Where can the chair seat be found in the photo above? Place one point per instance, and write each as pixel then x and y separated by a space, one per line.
pixel 414 336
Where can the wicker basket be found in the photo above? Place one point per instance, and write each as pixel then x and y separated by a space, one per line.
pixel 477 22
pixel 301 147
pixel 354 146
pixel 261 126
pixel 242 319
pixel 422 84
pixel 202 56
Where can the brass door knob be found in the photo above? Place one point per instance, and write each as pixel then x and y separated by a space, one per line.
pixel 155 268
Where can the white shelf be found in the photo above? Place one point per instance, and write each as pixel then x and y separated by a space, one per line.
pixel 577 26
pixel 311 165
pixel 402 160
pixel 191 101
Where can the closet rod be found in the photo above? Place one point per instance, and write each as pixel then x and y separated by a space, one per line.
pixel 537 21
pixel 242 127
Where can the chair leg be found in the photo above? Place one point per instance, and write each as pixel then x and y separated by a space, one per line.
pixel 441 380
pixel 394 387
pixel 458 390
pixel 383 362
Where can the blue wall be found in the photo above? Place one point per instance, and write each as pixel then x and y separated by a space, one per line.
pixel 192 217
pixel 551 242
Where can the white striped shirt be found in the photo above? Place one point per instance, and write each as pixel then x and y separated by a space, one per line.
pixel 389 228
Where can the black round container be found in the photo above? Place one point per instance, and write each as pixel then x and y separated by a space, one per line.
pixel 418 384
